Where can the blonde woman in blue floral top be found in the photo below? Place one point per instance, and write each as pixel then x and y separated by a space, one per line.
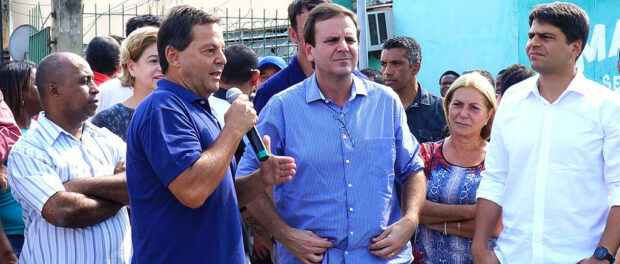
pixel 453 169
pixel 140 70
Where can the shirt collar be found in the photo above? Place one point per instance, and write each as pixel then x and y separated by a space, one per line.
pixel 294 72
pixel 313 93
pixel 423 97
pixel 575 85
pixel 179 90
pixel 183 93
pixel 53 131
pixel 294 61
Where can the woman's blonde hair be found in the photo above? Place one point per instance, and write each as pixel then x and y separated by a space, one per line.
pixel 479 83
pixel 133 47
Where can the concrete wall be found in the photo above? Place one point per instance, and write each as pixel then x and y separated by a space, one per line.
pixel 600 56
pixel 346 3
pixel 490 34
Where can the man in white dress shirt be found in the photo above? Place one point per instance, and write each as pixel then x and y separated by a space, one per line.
pixel 65 174
pixel 553 169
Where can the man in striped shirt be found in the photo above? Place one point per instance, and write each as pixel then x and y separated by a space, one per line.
pixel 65 173
pixel 351 141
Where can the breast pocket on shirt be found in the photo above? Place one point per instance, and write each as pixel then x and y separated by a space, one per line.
pixel 377 156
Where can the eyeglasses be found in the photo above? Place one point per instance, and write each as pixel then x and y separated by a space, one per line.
pixel 339 116
pixel 346 134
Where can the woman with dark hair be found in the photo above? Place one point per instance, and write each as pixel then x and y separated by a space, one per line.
pixel 20 91
pixel 453 166
pixel 17 82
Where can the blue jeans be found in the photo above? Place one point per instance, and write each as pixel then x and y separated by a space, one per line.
pixel 17 241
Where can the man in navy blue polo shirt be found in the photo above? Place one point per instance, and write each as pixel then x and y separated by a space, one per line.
pixel 183 197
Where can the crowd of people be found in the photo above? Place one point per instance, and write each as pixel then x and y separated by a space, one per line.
pixel 136 153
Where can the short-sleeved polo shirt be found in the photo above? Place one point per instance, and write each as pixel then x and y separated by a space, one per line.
pixel 169 131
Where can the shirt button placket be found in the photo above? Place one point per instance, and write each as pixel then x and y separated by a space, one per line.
pixel 349 193
pixel 541 183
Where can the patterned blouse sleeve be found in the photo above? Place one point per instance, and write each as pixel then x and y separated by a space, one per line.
pixel 426 153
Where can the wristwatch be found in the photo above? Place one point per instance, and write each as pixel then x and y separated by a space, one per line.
pixel 601 253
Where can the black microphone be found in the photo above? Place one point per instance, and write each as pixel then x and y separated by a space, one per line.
pixel 253 136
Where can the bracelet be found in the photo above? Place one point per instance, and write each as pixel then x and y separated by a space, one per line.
pixel 445 228
pixel 458 226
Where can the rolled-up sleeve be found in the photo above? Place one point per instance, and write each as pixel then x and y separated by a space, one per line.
pixel 33 180
pixel 248 162
pixel 496 168
pixel 611 145
pixel 407 159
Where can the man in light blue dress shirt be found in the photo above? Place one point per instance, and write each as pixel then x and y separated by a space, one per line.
pixel 68 175
pixel 350 140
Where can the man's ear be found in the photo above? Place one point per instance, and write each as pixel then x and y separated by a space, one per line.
pixel 255 77
pixel 172 56
pixel 292 33
pixel 52 89
pixel 416 67
pixel 576 45
pixel 308 49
